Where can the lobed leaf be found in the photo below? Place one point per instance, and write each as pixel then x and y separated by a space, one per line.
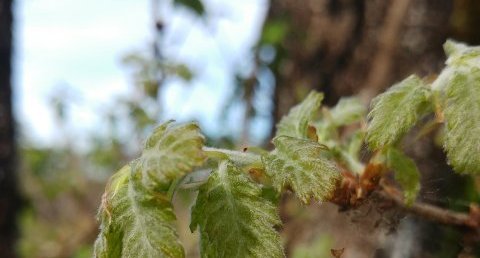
pixel 170 152
pixel 462 121
pixel 396 111
pixel 232 217
pixel 302 165
pixel 295 124
pixel 136 215
pixel 135 222
pixel 406 173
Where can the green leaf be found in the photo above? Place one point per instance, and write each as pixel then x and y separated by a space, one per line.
pixel 396 111
pixel 461 54
pixel 406 173
pixel 347 111
pixel 238 158
pixel 462 118
pixel 234 221
pixel 135 222
pixel 303 166
pixel 194 5
pixel 296 122
pixel 170 152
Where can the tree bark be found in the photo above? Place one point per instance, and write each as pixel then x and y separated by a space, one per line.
pixel 9 197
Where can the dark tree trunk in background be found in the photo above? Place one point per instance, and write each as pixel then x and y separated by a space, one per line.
pixel 9 199
pixel 350 47
pixel 346 47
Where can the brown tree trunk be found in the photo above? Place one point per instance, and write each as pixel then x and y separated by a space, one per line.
pixel 9 198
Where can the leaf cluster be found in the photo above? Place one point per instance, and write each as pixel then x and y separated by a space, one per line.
pixel 314 149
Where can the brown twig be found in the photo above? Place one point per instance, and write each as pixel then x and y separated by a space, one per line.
pixel 433 213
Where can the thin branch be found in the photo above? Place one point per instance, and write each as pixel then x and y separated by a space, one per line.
pixel 431 212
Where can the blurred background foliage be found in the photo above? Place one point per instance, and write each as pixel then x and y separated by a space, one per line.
pixel 342 48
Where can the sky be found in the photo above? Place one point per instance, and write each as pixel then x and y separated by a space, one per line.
pixel 78 45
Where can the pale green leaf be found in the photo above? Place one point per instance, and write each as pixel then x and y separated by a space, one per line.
pixel 170 152
pixel 406 173
pixel 347 111
pixel 135 222
pixel 462 121
pixel 303 166
pixel 233 219
pixel 460 54
pixel 396 111
pixel 296 122
pixel 239 158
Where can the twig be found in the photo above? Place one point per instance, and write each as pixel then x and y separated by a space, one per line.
pixel 431 212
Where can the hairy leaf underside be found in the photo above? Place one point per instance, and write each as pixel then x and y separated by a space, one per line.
pixel 303 166
pixel 233 219
pixel 295 124
pixel 170 152
pixel 136 222
pixel 136 215
pixel 462 121
pixel 396 111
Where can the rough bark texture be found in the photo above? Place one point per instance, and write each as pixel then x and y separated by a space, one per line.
pixel 9 200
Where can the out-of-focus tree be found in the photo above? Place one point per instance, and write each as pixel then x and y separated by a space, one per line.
pixel 9 198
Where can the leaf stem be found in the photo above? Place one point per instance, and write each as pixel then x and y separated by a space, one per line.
pixel 431 212
pixel 238 157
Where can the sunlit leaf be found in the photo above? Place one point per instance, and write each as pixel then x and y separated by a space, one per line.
pixel 397 111
pixel 135 222
pixel 171 151
pixel 303 166
pixel 406 173
pixel 295 124
pixel 462 120
pixel 233 219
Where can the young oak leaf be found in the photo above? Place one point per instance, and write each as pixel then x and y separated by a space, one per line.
pixel 396 111
pixel 232 217
pixel 135 222
pixel 302 165
pixel 170 152
pixel 406 173
pixel 462 121
pixel 295 124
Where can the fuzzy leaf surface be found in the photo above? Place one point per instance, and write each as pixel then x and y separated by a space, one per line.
pixel 406 173
pixel 303 166
pixel 233 219
pixel 296 122
pixel 396 111
pixel 170 152
pixel 462 121
pixel 135 222
pixel 347 111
